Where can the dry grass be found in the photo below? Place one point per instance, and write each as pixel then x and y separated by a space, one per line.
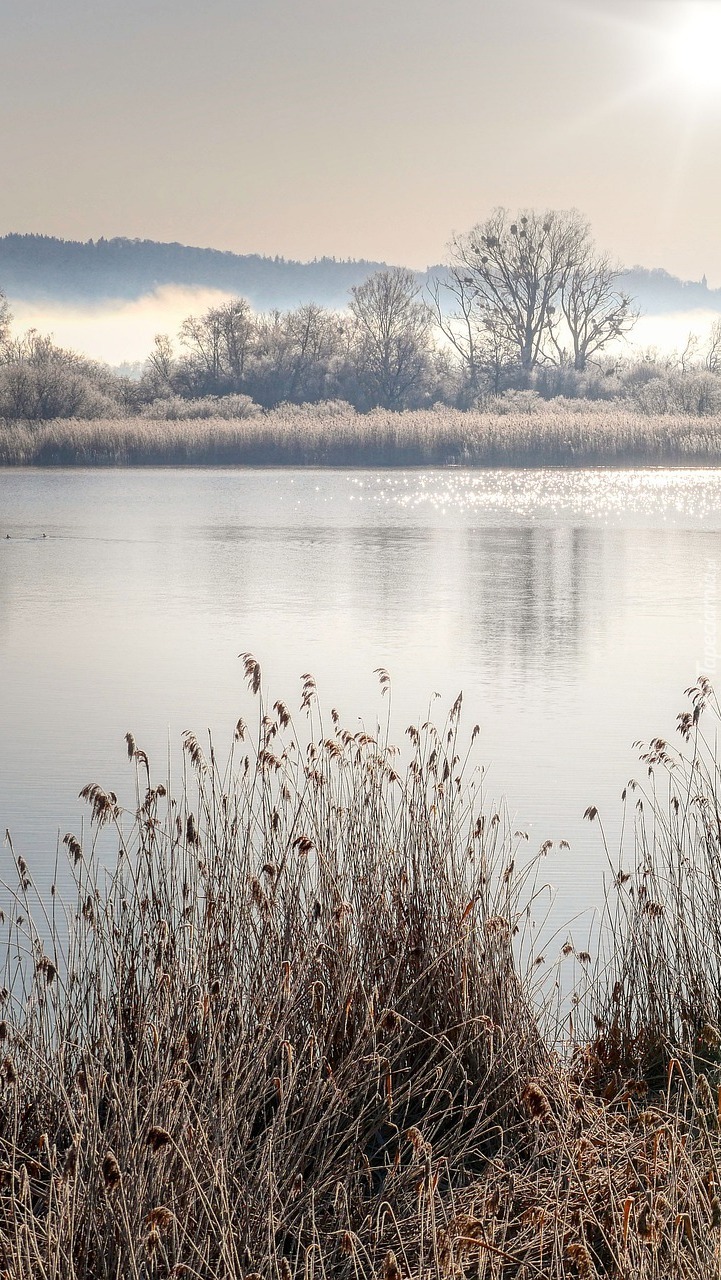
pixel 559 433
pixel 295 1032
pixel 662 992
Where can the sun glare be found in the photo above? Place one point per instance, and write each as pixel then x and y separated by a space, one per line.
pixel 695 48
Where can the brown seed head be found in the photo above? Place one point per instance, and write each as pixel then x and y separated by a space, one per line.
pixel 157 1138
pixel 283 714
pixel 536 1101
pixel 112 1176
pixel 152 1241
pixel 579 1255
pixel 645 1222
pixel 390 1021
pixel 251 669
pixel 497 925
pixel 706 1100
pixel 74 847
pixel 160 1217
pixel 391 1270
pixel 47 968
pixel 104 803
pixel 8 1072
pixel 70 1163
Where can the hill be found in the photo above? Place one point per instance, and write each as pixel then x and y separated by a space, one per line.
pixel 660 293
pixel 48 269
pixel 44 268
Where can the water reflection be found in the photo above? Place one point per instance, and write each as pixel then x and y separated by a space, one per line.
pixel 535 596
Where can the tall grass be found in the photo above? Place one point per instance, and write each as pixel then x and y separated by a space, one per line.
pixel 556 433
pixel 662 994
pixel 295 1031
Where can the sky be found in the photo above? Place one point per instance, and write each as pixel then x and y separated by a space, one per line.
pixel 363 128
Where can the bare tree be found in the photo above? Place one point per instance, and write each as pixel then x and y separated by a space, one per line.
pixel 687 358
pixel 160 366
pixel 713 351
pixel 595 312
pixel 391 336
pixel 480 344
pixel 294 354
pixel 39 381
pixel 5 320
pixel 514 271
pixel 313 341
pixel 217 344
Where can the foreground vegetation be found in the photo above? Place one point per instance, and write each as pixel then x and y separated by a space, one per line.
pixel 521 431
pixel 297 1030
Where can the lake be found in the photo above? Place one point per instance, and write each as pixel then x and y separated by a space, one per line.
pixel 572 608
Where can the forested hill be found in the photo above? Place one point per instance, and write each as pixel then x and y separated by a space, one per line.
pixel 657 292
pixel 43 267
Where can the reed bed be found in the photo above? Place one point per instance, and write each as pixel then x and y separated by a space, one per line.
pixel 662 993
pixel 560 433
pixel 294 1029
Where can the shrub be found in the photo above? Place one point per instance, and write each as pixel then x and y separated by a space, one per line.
pixel 175 408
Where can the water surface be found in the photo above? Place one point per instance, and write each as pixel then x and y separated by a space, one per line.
pixel 572 609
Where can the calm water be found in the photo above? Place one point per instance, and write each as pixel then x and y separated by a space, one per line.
pixel 571 608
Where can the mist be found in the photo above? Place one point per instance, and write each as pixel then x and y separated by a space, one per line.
pixel 122 331
pixel 115 331
pixel 668 333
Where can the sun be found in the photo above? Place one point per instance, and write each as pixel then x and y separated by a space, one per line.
pixel 694 48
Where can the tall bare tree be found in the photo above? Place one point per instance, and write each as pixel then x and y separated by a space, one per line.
pixel 514 270
pixel 294 354
pixel 392 336
pixel 481 345
pixel 218 343
pixel 160 366
pixel 595 311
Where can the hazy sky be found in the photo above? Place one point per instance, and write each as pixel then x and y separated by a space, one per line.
pixel 363 128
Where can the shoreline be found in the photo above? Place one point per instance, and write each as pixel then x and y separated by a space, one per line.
pixel 559 436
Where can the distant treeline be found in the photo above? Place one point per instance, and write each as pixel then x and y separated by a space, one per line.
pixel 527 304
pixel 45 267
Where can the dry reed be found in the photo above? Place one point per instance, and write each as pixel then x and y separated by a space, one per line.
pixel 555 433
pixel 294 1031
